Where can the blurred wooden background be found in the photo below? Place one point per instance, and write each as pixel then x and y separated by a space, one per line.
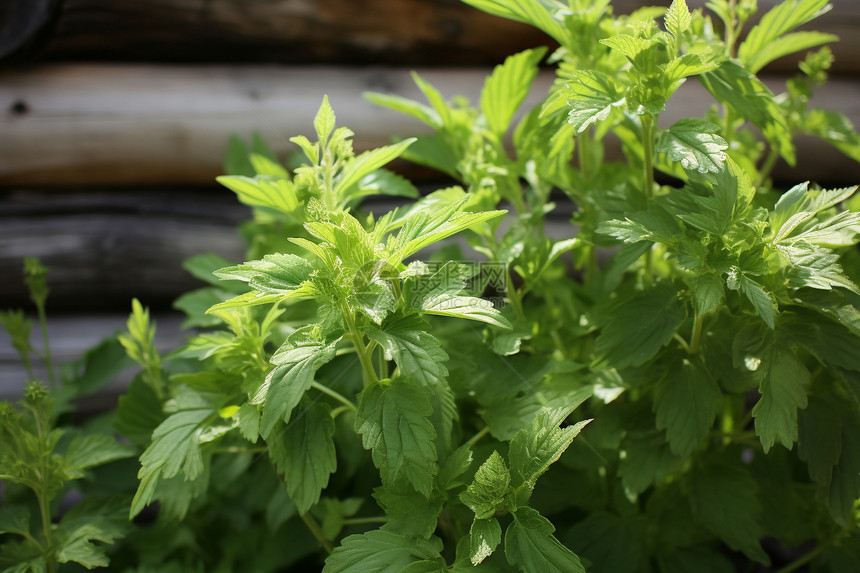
pixel 115 118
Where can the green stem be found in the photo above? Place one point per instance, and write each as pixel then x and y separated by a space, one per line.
pixel 360 348
pixel 43 323
pixel 45 512
pixel 517 301
pixel 316 532
pixel 767 167
pixel 648 160
pixel 697 334
pixel 803 560
pixel 339 397
pixel 477 437
pixel 648 178
pixel 365 520
pixel 239 450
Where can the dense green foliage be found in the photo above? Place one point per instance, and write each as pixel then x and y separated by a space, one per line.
pixel 670 385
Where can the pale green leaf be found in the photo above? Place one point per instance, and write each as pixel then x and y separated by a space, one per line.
pixel 507 87
pixel 368 162
pixel 406 106
pixel 324 121
pixel 276 193
pixel 469 307
pixel 754 51
pixel 534 12
pixel 94 450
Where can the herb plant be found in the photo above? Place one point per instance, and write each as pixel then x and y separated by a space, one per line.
pixel 674 385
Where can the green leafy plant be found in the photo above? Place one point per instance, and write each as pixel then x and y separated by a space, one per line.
pixel 670 384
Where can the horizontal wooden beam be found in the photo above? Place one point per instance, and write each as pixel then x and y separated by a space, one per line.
pixel 66 125
pixel 71 335
pixel 401 32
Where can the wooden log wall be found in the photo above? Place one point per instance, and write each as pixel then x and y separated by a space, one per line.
pixel 115 118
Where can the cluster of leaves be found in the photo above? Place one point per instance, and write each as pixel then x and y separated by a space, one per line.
pixel 344 404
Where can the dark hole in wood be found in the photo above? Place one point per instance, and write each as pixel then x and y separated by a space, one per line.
pixel 19 108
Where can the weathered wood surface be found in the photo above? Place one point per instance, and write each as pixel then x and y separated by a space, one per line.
pixel 70 336
pixel 115 125
pixel 404 32
pixel 105 247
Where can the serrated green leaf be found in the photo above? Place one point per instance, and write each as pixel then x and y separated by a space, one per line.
pixel 94 450
pixel 274 274
pixel 535 448
pixel 694 143
pixel 686 403
pixel 91 521
pixel 138 412
pixel 835 128
pixel 424 228
pixel 284 386
pixel 407 106
pixel 845 484
pixel 530 545
pixel 418 354
pixel 249 422
pixel 732 85
pixel 488 489
pixel 528 11
pixel 381 552
pixel 782 381
pixel 709 293
pixel 324 120
pixel 840 230
pixel 507 87
pixel 14 519
pixel 639 327
pixel 276 193
pixel 763 302
pixel 470 307
pixel 819 441
pixel 647 460
pixel 484 536
pixel 763 41
pixel 591 96
pixel 175 444
pixel 367 163
pixel 725 500
pixel 409 512
pixel 677 19
pixel 392 420
pixel 304 453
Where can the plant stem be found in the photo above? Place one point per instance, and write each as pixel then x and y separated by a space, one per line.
pixel 802 560
pixel 239 450
pixel 358 340
pixel 365 520
pixel 43 323
pixel 477 437
pixel 316 532
pixel 516 301
pixel 648 178
pixel 648 159
pixel 339 397
pixel 697 335
pixel 46 529
pixel 767 167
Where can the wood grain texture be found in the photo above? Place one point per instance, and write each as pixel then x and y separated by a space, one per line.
pixel 147 125
pixel 402 32
pixel 105 247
